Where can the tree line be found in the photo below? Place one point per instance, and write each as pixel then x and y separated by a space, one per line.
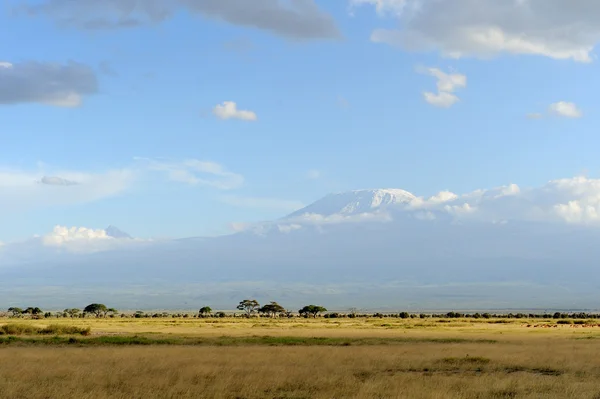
pixel 252 308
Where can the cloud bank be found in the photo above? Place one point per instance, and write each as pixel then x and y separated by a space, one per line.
pixel 60 85
pixel 297 19
pixel 485 28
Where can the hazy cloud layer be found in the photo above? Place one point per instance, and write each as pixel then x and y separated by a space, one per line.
pixel 61 85
pixel 275 204
pixel 297 19
pixel 484 28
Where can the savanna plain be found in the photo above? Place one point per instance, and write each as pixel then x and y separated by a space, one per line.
pixel 299 358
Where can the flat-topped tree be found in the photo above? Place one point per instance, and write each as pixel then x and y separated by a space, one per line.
pixel 249 306
pixel 33 311
pixel 272 309
pixel 97 309
pixel 313 310
pixel 205 311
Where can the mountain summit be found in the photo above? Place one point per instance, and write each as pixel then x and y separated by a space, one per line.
pixel 356 202
pixel 114 232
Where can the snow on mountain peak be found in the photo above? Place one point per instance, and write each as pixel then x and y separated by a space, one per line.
pixel 356 202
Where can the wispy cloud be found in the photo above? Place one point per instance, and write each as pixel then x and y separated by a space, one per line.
pixel 195 172
pixel 29 189
pixel 313 174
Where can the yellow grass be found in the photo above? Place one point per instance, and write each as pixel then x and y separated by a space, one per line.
pixel 524 362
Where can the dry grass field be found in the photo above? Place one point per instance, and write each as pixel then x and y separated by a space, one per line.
pixel 302 358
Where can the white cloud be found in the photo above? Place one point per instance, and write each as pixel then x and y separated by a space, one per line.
pixel 71 240
pixel 446 85
pixel 229 110
pixel 484 28
pixel 443 100
pixel 565 109
pixel 46 83
pixel 195 172
pixel 263 203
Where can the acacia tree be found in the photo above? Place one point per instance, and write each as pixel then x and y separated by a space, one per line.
pixel 33 311
pixel 97 309
pixel 272 309
pixel 74 312
pixel 205 311
pixel 15 311
pixel 249 306
pixel 313 310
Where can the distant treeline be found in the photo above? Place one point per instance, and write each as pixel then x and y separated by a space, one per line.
pixel 251 308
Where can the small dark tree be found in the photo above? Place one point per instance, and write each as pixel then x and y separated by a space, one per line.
pixel 33 311
pixel 249 306
pixel 97 309
pixel 205 311
pixel 272 309
pixel 313 310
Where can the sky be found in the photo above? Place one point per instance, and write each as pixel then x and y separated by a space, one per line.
pixel 179 118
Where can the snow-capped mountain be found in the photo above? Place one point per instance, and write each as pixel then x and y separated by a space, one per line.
pixel 356 202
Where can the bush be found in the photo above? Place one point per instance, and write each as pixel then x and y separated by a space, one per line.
pixel 564 322
pixel 17 329
pixel 58 329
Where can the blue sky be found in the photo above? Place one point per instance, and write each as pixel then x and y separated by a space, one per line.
pixel 335 112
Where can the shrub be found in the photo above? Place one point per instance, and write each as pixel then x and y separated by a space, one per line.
pixel 59 329
pixel 17 329
pixel 563 321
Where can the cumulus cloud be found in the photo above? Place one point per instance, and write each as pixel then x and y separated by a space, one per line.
pixel 195 172
pixel 71 240
pixel 484 28
pixel 263 203
pixel 297 19
pixel 447 83
pixel 565 109
pixel 61 85
pixel 229 110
